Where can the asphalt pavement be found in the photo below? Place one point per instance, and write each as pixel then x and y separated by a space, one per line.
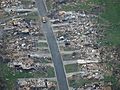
pixel 56 57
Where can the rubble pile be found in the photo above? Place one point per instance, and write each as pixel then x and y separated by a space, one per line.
pixel 34 83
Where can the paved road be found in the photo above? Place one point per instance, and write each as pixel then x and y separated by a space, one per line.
pixel 56 57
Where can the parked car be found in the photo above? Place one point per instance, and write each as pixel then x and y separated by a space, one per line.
pixel 44 19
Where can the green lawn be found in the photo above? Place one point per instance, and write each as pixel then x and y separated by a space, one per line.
pixel 11 76
pixel 50 72
pixel 4 16
pixel 42 44
pixel 26 2
pixel 49 4
pixel 31 16
pixel 114 81
pixel 75 6
pixel 112 14
pixel 72 68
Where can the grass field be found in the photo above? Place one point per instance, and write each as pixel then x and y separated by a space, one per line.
pixel 72 68
pixel 111 14
pixel 75 6
pixel 42 44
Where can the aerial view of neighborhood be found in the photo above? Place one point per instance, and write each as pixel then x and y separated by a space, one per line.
pixel 59 44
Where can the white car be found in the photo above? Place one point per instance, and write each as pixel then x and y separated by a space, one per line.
pixel 44 19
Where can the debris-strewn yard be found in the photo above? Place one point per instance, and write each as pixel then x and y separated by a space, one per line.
pixel 104 43
pixel 24 51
